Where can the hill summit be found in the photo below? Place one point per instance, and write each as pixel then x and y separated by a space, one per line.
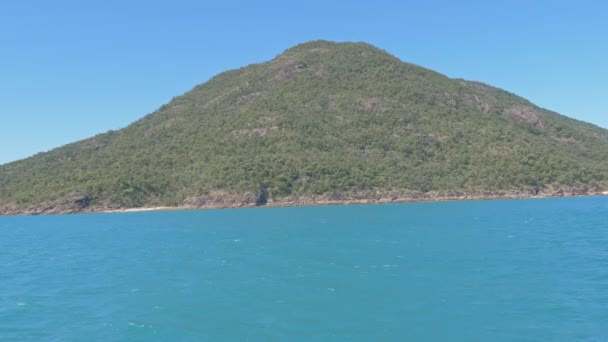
pixel 323 122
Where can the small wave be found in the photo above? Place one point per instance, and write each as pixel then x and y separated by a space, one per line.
pixel 137 325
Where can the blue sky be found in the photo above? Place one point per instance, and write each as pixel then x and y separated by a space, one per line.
pixel 71 69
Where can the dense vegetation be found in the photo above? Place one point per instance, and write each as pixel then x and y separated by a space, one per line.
pixel 321 118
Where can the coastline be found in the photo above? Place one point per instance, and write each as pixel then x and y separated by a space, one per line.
pixel 295 202
pixel 282 204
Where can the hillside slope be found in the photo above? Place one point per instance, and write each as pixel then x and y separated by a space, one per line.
pixel 322 121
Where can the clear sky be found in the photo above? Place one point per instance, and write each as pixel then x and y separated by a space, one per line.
pixel 71 69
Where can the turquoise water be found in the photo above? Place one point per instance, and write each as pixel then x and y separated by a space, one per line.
pixel 522 270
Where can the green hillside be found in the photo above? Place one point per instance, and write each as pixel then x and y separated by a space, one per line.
pixel 323 120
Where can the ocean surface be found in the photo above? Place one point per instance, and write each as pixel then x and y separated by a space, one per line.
pixel 513 270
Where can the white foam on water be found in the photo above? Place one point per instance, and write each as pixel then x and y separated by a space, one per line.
pixel 137 325
pixel 21 304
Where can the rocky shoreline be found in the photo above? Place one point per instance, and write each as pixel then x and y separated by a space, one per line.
pixel 75 204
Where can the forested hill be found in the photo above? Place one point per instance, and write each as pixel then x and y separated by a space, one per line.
pixel 323 121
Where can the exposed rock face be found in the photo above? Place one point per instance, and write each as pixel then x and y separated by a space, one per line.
pixel 525 114
pixel 221 199
pixel 255 132
pixel 70 203
pixel 78 200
